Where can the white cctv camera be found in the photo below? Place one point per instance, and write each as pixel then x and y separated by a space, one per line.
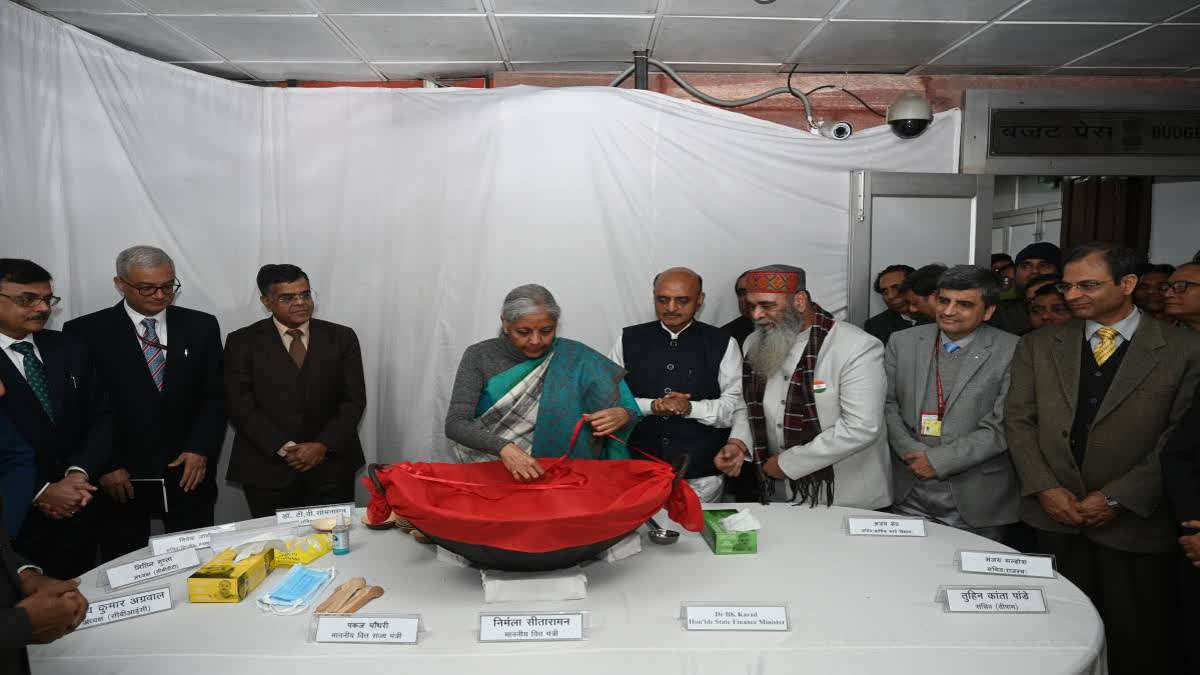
pixel 910 115
pixel 839 131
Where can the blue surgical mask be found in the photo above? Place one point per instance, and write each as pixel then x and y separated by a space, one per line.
pixel 296 591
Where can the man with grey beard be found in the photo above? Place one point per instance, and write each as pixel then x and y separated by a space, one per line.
pixel 814 390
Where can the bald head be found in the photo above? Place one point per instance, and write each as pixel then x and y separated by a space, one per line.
pixel 678 295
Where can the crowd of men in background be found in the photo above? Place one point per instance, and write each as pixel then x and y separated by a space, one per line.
pixel 1045 403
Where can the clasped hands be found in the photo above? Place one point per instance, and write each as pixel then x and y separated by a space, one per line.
pixel 55 607
pixel 674 403
pixel 1061 504
pixel 305 456
pixel 64 498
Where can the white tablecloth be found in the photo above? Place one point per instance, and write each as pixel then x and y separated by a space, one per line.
pixel 858 605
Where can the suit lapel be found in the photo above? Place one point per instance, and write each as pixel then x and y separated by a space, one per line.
pixel 980 355
pixel 23 408
pixel 1066 349
pixel 1140 358
pixel 924 361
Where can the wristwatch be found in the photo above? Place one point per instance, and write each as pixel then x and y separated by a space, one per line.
pixel 1111 502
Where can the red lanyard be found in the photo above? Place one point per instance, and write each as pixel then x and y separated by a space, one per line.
pixel 937 367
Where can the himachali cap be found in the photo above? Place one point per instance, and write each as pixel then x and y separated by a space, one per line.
pixel 773 281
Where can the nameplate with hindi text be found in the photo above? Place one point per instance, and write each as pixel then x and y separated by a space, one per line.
pixel 134 605
pixel 993 600
pixel 885 527
pixel 373 629
pixel 307 514
pixel 147 569
pixel 179 541
pixel 1007 564
pixel 701 616
pixel 541 627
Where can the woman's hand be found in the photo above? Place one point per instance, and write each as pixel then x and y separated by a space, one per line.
pixel 608 421
pixel 520 464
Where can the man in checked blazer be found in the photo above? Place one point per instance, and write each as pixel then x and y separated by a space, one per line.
pixel 945 411
pixel 1092 403
pixel 296 393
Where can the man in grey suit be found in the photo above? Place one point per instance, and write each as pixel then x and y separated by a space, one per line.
pixel 947 384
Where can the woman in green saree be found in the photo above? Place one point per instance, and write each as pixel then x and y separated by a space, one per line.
pixel 519 395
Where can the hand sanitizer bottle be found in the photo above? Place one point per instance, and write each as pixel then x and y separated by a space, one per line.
pixel 341 535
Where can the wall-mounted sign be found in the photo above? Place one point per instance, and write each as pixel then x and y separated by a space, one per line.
pixel 1065 133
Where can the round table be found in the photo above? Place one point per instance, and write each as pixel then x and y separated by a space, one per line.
pixel 857 605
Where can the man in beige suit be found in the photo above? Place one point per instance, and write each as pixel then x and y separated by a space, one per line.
pixel 1089 408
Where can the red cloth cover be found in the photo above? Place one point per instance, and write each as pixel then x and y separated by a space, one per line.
pixel 576 503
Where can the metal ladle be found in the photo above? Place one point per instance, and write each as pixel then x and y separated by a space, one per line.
pixel 660 535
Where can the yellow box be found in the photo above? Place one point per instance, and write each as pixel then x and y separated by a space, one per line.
pixel 223 580
pixel 304 549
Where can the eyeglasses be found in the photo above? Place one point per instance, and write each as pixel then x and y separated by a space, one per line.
pixel 32 299
pixel 147 291
pixel 1179 287
pixel 293 298
pixel 1084 286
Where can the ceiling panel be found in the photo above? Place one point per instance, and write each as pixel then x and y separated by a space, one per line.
pixel 943 10
pixel 141 34
pixel 943 69
pixel 888 68
pixel 607 67
pixel 729 40
pixel 265 38
pixel 309 70
pixel 84 5
pixel 574 39
pixel 576 6
pixel 1117 72
pixel 1099 10
pixel 1192 16
pixel 420 38
pixel 435 70
pixel 1161 46
pixel 841 42
pixel 690 67
pixel 216 69
pixel 1033 44
pixel 812 9
pixel 226 6
pixel 400 6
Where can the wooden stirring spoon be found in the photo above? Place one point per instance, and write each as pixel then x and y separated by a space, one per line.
pixel 341 594
pixel 361 598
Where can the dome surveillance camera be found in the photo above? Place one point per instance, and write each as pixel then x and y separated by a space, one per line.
pixel 910 115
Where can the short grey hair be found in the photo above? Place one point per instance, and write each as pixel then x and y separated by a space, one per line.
pixel 969 278
pixel 142 256
pixel 528 299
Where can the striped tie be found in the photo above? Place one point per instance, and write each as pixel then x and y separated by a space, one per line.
pixel 35 375
pixel 1107 346
pixel 156 359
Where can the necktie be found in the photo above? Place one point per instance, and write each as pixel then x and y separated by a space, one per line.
pixel 297 350
pixel 952 347
pixel 156 359
pixel 35 375
pixel 1107 346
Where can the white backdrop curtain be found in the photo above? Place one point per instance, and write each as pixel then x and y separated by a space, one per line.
pixel 413 211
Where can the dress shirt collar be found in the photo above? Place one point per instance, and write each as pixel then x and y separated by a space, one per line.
pixel 284 329
pixel 7 342
pixel 675 336
pixel 136 317
pixel 961 342
pixel 1125 327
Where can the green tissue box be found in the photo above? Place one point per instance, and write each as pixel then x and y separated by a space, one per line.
pixel 727 543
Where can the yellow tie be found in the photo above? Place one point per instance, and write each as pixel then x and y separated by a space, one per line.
pixel 1107 346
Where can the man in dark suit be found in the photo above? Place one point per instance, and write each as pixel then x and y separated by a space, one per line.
pixel 740 328
pixel 34 608
pixel 296 393
pixel 1091 403
pixel 1181 481
pixel 889 283
pixel 162 366
pixel 55 400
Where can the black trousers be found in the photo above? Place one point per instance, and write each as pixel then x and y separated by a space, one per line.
pixel 127 526
pixel 1189 594
pixel 1136 595
pixel 64 549
pixel 327 483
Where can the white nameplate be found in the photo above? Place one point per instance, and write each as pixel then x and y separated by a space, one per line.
pixel 1008 564
pixel 995 600
pixel 152 568
pixel 886 527
pixel 305 515
pixel 376 629
pixel 756 617
pixel 127 607
pixel 530 627
pixel 180 541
